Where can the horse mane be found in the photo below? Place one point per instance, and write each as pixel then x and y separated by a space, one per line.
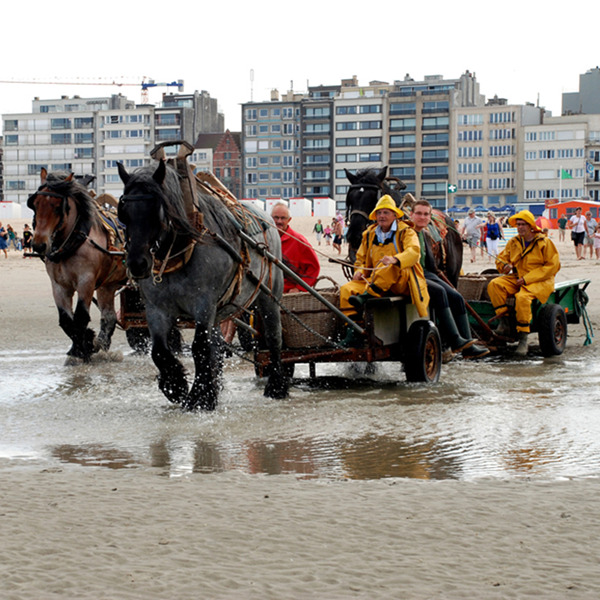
pixel 58 182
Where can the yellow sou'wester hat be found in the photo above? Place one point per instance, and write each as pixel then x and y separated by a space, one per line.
pixel 385 202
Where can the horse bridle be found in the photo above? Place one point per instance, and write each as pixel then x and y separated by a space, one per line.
pixel 165 227
pixel 362 187
pixel 43 191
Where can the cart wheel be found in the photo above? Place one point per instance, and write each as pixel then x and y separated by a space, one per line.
pixel 552 329
pixel 424 353
pixel 138 339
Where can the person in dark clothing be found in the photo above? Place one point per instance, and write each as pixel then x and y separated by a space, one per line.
pixel 447 303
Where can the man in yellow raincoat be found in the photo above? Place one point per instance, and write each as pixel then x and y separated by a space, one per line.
pixel 387 262
pixel 528 265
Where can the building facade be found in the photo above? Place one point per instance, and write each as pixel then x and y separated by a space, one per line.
pixel 87 136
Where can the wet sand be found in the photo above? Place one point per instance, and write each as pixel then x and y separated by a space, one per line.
pixel 90 533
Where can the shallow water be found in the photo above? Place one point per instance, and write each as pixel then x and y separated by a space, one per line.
pixel 537 418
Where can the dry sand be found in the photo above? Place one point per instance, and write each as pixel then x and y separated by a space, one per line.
pixel 85 533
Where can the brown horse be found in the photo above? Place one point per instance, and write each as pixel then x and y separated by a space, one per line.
pixel 78 244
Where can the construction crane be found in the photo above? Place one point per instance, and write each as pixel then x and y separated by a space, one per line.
pixel 145 85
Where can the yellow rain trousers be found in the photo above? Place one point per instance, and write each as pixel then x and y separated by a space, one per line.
pixel 404 279
pixel 537 264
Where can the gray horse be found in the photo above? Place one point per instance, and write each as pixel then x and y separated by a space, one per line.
pixel 203 272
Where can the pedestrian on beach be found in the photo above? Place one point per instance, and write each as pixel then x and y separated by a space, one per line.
pixel 562 226
pixel 590 229
pixel 318 231
pixel 494 233
pixel 327 235
pixel 577 226
pixel 472 231
pixel 27 239
pixel 13 240
pixel 3 240
pixel 338 230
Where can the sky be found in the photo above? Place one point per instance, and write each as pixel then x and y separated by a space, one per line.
pixel 519 50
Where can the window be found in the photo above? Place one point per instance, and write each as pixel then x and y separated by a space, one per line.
pixel 288 128
pixel 114 134
pixel 531 136
pixel 435 172
pixel 60 123
pixel 345 110
pixel 35 169
pixel 11 125
pixel 276 128
pixel 502 117
pixel 263 129
pixel 470 168
pixel 251 162
pixel 442 106
pixel 402 140
pixel 471 119
pixel 317 128
pixel 83 153
pixel 345 142
pixel 60 138
pixel 403 108
pixel 401 157
pixel 288 113
pixel 11 140
pixel 435 155
pixel 370 141
pixel 369 124
pixel 251 114
pixel 83 138
pixel 83 122
pixel 531 155
pixel 318 112
pixel 470 135
pixel 369 109
pixel 346 126
pixel 399 124
pixel 435 139
pixel 263 113
pixel 470 152
pixel 436 122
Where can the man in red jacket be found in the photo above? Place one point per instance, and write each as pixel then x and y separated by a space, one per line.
pixel 296 250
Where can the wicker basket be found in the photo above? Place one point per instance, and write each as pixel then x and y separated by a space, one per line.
pixel 314 314
pixel 471 287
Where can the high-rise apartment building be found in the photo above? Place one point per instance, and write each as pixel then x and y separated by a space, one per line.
pixel 88 136
pixel 562 159
pixel 271 147
pixel 405 125
pixel 487 153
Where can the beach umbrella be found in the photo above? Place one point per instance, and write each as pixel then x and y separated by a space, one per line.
pixel 543 223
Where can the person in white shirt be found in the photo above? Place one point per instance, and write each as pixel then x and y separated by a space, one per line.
pixel 577 226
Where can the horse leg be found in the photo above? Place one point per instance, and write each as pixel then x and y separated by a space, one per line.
pixel 208 360
pixel 277 383
pixel 172 381
pixel 74 324
pixel 108 318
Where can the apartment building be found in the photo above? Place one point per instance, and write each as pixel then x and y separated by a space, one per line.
pixel 562 159
pixel 225 158
pixel 87 136
pixel 405 124
pixel 271 147
pixel 487 153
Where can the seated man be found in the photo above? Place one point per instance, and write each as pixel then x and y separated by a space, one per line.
pixel 528 263
pixel 448 304
pixel 296 251
pixel 386 262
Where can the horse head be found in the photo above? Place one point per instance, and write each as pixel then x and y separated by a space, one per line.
pixel 153 212
pixel 51 206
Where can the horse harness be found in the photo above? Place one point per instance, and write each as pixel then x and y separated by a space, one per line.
pixel 80 231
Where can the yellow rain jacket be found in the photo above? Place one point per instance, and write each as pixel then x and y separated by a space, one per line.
pixel 403 279
pixel 537 264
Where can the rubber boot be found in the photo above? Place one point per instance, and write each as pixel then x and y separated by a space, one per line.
pixel 449 331
pixel 358 301
pixel 522 348
pixel 503 328
pixel 353 339
pixel 474 351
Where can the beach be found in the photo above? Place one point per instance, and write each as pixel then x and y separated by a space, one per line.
pixel 77 532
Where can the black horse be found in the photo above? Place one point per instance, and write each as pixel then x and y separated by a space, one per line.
pixel 366 187
pixel 200 271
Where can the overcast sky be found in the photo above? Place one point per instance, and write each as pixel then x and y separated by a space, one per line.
pixel 519 50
